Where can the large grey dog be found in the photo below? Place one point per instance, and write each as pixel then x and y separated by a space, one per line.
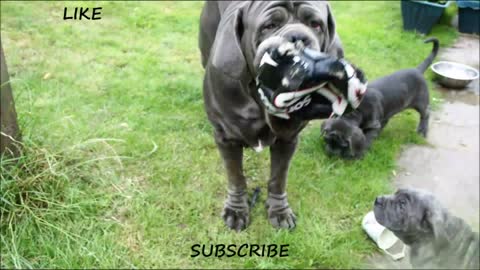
pixel 436 238
pixel 352 134
pixel 233 37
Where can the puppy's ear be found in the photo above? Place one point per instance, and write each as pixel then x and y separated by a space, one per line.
pixel 227 55
pixel 357 142
pixel 324 127
pixel 435 222
pixel 332 45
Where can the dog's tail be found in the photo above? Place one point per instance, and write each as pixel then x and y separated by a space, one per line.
pixel 428 61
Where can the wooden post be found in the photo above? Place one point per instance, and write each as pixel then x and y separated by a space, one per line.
pixel 8 116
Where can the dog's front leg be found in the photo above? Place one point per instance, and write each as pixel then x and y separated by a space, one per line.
pixel 370 135
pixel 235 212
pixel 279 213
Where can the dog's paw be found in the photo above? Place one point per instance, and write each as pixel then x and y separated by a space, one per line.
pixel 280 214
pixel 422 128
pixel 423 131
pixel 236 211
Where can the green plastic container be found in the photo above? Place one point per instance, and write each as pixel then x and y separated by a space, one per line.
pixel 468 16
pixel 421 16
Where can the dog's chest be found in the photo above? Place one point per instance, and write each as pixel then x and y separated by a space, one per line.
pixel 261 131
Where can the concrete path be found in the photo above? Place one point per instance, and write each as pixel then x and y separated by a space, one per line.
pixel 449 167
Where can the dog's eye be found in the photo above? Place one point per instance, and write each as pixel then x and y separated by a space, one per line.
pixel 317 26
pixel 403 204
pixel 269 26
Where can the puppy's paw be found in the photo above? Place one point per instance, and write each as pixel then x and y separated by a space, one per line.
pixel 422 130
pixel 280 214
pixel 236 211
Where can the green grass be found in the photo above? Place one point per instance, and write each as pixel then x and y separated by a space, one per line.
pixel 120 168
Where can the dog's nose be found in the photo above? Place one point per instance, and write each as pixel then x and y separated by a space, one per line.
pixel 295 37
pixel 331 137
pixel 379 201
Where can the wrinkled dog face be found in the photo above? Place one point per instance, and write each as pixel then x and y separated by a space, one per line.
pixel 343 139
pixel 307 21
pixel 408 213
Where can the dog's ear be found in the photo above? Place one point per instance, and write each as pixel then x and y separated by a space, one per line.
pixel 435 222
pixel 227 55
pixel 322 126
pixel 357 142
pixel 326 127
pixel 333 45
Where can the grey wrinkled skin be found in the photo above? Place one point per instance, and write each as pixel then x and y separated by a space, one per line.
pixel 284 216
pixel 232 37
pixel 385 97
pixel 436 238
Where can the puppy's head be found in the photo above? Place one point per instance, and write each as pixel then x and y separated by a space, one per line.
pixel 412 215
pixel 343 138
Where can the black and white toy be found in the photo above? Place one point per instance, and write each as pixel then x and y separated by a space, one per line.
pixel 305 84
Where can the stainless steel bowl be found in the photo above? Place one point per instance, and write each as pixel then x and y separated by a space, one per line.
pixel 454 75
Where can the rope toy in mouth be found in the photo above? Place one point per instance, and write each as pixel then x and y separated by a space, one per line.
pixel 306 84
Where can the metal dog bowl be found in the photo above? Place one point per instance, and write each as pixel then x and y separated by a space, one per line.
pixel 454 75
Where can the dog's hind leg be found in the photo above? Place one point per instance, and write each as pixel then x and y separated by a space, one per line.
pixel 424 112
pixel 421 105
pixel 279 213
pixel 236 210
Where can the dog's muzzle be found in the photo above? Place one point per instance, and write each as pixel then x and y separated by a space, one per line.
pixel 297 32
pixel 334 139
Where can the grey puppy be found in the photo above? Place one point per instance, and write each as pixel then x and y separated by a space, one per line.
pixel 385 97
pixel 436 238
pixel 233 37
pixel 343 139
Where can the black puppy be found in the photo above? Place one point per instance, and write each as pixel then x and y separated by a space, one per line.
pixel 385 97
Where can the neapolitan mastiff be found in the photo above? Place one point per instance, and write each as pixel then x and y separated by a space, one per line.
pixel 437 239
pixel 233 36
